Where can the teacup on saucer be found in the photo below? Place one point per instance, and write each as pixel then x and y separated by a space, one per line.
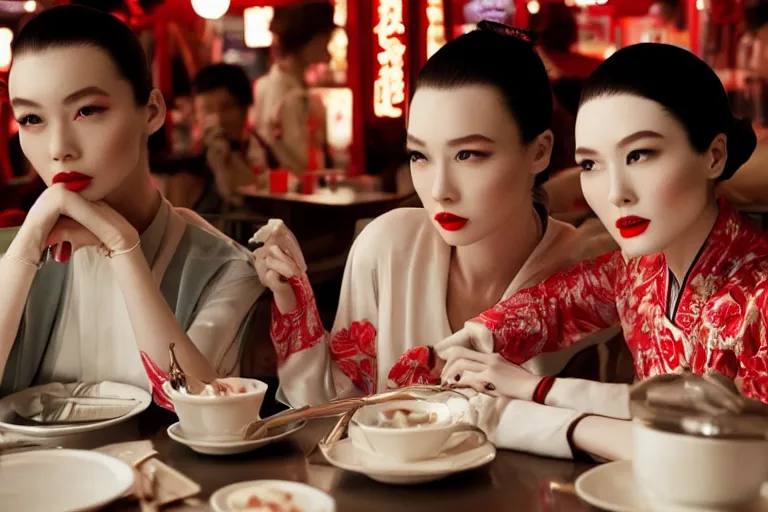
pixel 376 429
pixel 463 452
pixel 219 418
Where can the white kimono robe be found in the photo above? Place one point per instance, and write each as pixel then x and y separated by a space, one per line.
pixel 393 298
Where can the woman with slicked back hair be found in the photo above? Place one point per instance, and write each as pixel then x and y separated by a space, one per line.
pixel 479 145
pixel 129 274
pixel 690 283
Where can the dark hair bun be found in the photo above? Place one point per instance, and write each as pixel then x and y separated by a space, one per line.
pixel 296 25
pixel 742 142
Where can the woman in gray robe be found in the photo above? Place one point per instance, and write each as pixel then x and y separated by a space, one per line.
pixel 131 273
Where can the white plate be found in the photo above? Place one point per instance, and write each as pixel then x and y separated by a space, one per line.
pixel 469 451
pixel 613 487
pixel 8 411
pixel 61 480
pixel 307 498
pixel 231 447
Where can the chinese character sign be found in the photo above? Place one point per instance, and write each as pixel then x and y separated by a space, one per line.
pixel 436 27
pixel 389 85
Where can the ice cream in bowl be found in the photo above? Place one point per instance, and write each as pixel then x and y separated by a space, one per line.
pixel 222 411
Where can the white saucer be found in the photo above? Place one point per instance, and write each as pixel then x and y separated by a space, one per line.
pixel 9 420
pixel 613 487
pixel 232 447
pixel 469 451
pixel 61 480
pixel 306 498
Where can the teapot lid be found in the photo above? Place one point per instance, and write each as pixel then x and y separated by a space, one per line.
pixel 699 405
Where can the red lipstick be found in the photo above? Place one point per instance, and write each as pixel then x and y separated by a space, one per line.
pixel 73 181
pixel 632 226
pixel 450 222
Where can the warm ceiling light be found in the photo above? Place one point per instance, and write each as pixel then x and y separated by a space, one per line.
pixel 30 6
pixel 210 9
pixel 534 7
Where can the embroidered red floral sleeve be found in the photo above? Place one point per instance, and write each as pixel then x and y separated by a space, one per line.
pixel 752 367
pixel 157 378
pixel 354 352
pixel 301 328
pixel 571 304
pixel 415 366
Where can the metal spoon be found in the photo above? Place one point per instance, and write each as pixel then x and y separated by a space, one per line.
pixel 258 429
pixel 181 382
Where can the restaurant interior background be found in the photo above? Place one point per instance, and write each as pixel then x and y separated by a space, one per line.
pixel 378 48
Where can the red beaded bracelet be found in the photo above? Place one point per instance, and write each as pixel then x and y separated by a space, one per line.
pixel 542 389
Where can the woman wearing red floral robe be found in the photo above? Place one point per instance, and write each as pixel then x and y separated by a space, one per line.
pixel 479 142
pixel 690 283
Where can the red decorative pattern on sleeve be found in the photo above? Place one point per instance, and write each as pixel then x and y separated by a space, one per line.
pixel 555 314
pixel 720 323
pixel 354 351
pixel 300 329
pixel 413 367
pixel 157 378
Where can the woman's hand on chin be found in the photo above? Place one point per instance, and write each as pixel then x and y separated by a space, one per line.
pixel 65 221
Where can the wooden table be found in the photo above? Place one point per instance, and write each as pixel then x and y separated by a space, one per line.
pixel 344 201
pixel 512 482
pixel 324 222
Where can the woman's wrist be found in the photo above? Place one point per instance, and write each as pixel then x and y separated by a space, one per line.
pixel 26 245
pixel 286 301
pixel 542 389
pixel 120 248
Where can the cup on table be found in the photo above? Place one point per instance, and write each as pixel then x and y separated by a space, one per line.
pixel 371 430
pixel 278 181
pixel 308 182
pixel 699 472
pixel 219 418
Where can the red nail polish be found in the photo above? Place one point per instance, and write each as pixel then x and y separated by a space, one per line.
pixel 63 252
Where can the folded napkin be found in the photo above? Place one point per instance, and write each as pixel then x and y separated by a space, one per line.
pixel 171 485
pixel 74 403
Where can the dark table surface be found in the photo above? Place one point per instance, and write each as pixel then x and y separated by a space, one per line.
pixel 512 482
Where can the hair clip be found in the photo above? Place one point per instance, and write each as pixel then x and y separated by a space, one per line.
pixel 500 28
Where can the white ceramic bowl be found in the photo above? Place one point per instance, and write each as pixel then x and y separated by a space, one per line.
pixel 405 444
pixel 304 497
pixel 710 473
pixel 218 418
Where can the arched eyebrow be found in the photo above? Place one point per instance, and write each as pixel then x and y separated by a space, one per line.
pixel 629 139
pixel 475 137
pixel 75 96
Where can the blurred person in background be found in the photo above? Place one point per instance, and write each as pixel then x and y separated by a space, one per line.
pixel 567 68
pixel 233 154
pixel 291 121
